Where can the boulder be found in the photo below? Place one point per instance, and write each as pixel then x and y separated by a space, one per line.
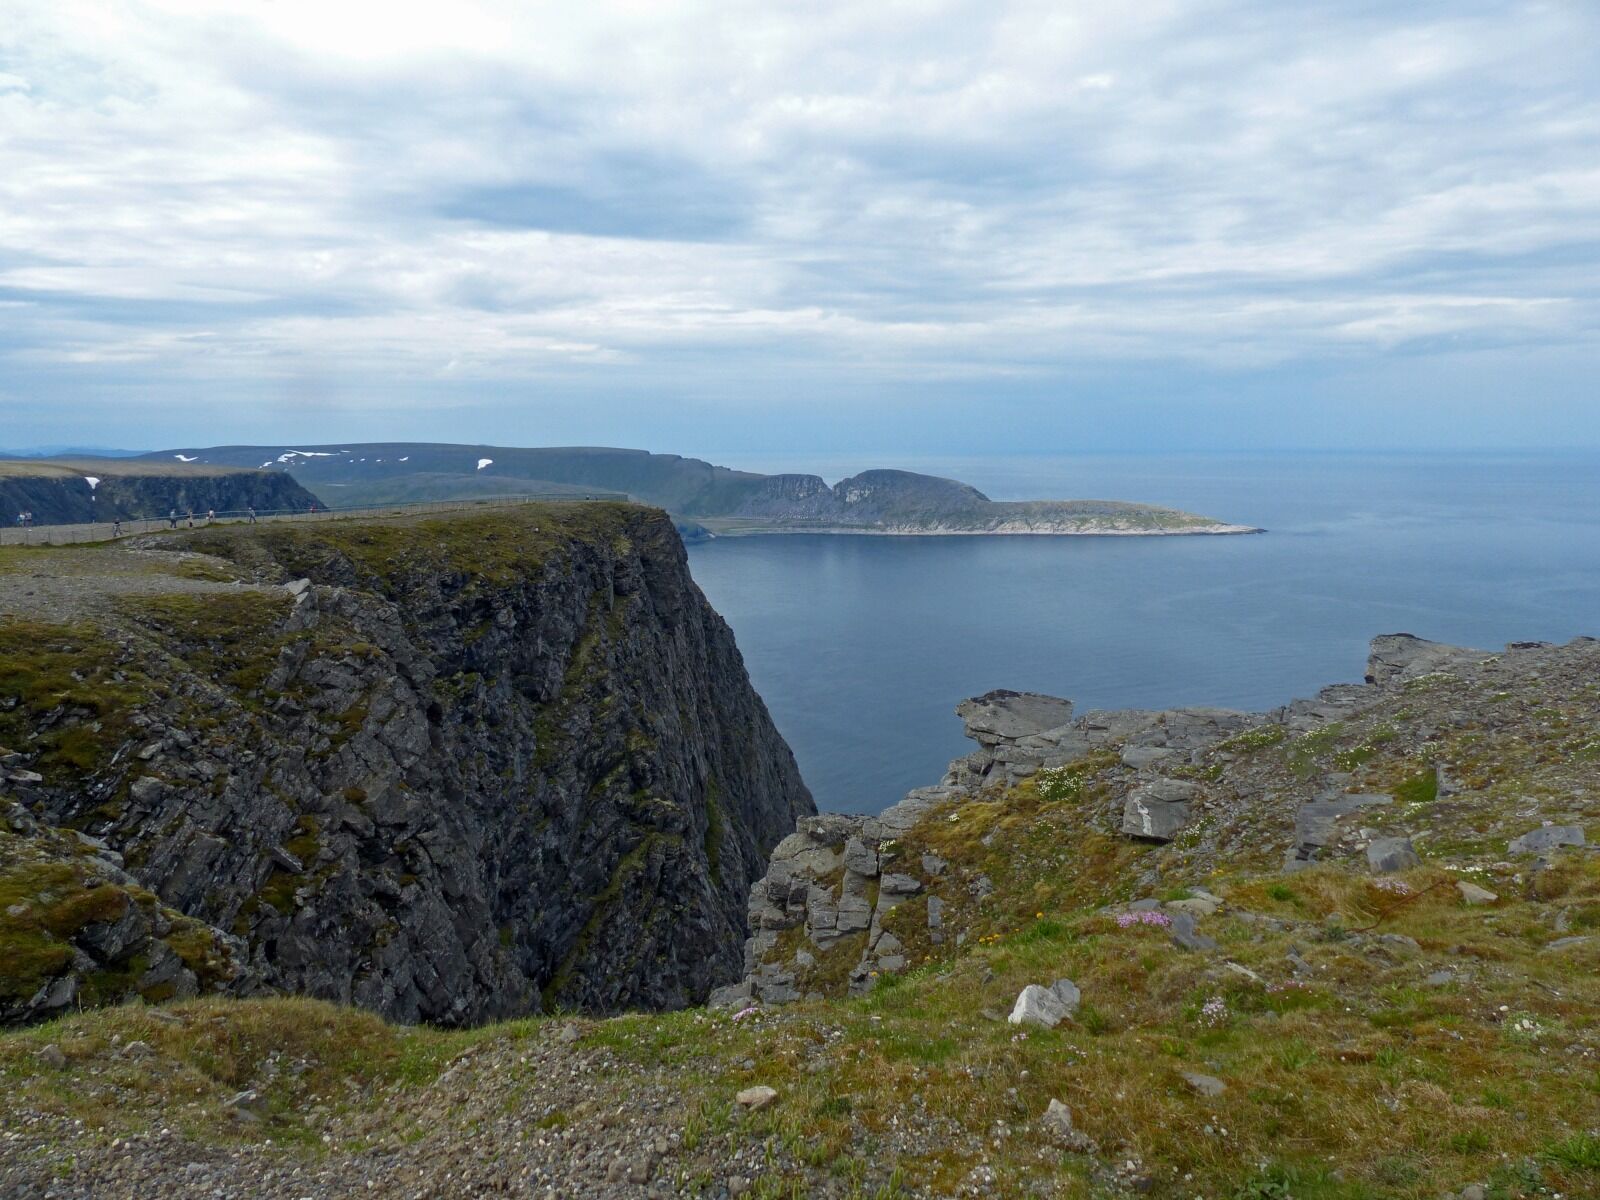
pixel 1039 1006
pixel 1057 1124
pixel 757 1098
pixel 860 858
pixel 1472 894
pixel 1390 854
pixel 1547 837
pixel 1186 937
pixel 899 885
pixel 1158 810
pixel 1205 1085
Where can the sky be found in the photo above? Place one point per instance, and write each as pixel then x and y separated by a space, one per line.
pixel 747 228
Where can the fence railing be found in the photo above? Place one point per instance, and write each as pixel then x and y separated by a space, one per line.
pixel 105 531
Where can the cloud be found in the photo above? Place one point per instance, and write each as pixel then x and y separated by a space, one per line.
pixel 635 195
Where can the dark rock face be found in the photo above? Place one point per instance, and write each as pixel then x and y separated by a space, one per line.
pixel 68 498
pixel 481 766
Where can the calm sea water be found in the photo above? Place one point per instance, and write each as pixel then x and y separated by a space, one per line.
pixel 862 646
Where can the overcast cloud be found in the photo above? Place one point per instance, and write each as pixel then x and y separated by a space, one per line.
pixel 709 226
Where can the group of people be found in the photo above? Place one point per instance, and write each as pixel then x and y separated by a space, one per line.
pixel 211 515
pixel 25 518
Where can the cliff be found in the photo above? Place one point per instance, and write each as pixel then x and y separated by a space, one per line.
pixel 59 492
pixel 1344 950
pixel 443 769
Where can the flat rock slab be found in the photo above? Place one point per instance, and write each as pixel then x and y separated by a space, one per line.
pixel 1547 837
pixel 1005 715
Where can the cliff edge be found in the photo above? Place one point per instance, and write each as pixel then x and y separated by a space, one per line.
pixel 446 769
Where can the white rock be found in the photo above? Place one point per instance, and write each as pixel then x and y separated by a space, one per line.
pixel 1473 894
pixel 1038 1006
pixel 757 1098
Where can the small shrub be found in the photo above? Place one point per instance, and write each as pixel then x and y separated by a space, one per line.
pixel 1092 1019
pixel 1581 1151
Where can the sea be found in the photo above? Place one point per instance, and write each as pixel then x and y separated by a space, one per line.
pixel 862 646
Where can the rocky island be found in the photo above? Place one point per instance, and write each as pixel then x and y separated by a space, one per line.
pixel 268 797
pixel 706 499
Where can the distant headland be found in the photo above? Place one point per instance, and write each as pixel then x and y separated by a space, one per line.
pixel 707 500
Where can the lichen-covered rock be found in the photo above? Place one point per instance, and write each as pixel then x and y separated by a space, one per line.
pixel 1158 810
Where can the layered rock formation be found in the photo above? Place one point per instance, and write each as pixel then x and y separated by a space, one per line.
pixel 448 770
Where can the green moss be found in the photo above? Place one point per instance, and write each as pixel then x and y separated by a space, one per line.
pixel 196 944
pixel 603 905
pixel 715 828
pixel 66 695
pixel 1419 789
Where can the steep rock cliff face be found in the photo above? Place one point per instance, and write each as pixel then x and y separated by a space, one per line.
pixel 447 769
pixel 64 495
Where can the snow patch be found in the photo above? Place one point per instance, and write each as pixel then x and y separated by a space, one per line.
pixel 185 458
pixel 289 455
pixel 92 480
pixel 407 458
pixel 485 462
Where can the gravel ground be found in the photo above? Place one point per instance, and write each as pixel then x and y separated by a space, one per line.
pixel 67 583
pixel 542 1116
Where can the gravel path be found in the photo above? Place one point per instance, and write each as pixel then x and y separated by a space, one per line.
pixel 68 583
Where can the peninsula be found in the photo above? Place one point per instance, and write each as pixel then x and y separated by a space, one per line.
pixel 705 499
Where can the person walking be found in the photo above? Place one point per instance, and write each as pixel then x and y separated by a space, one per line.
pixel 116 527
pixel 172 518
pixel 191 518
pixel 252 511
pixel 211 515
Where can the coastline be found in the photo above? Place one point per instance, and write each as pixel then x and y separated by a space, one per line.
pixel 711 524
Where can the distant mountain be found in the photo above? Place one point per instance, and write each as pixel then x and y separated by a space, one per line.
pixel 723 500
pixel 69 451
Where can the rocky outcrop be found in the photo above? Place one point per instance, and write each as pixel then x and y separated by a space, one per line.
pixel 76 929
pixel 59 494
pixel 832 883
pixel 448 770
pixel 825 889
